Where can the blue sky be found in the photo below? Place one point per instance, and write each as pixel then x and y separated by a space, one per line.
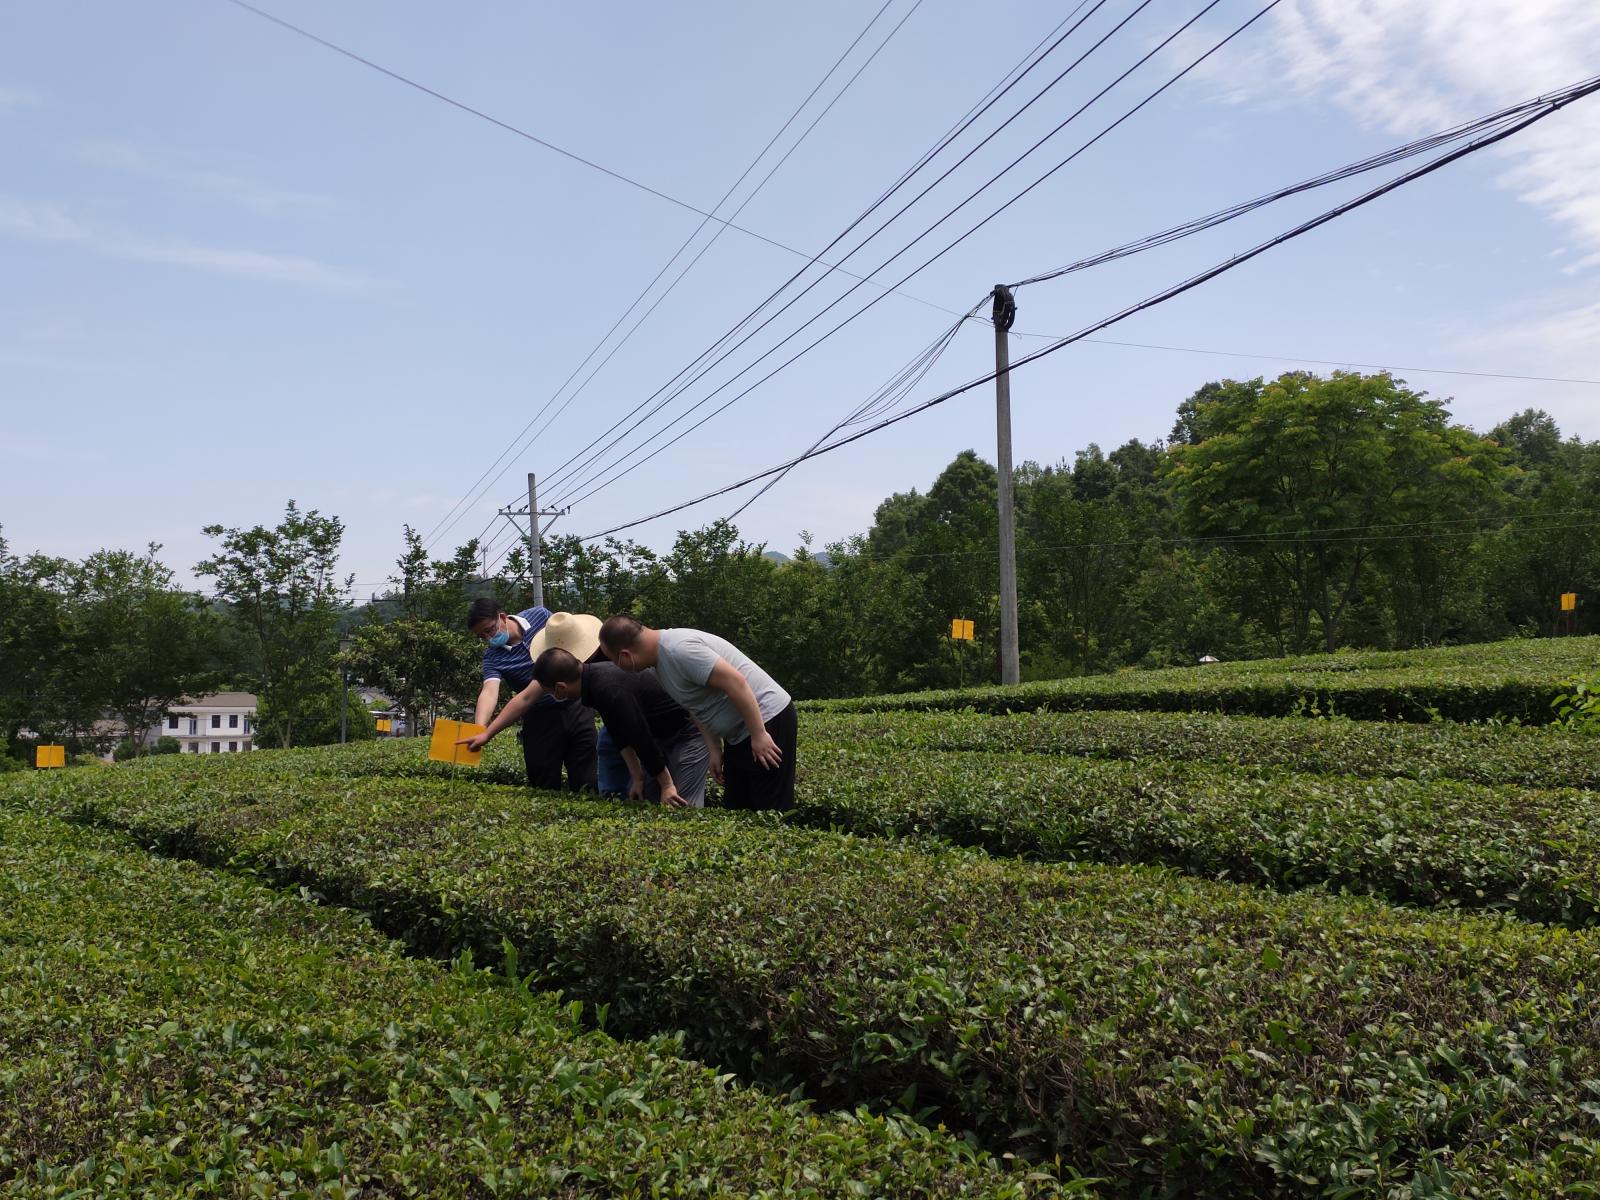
pixel 237 268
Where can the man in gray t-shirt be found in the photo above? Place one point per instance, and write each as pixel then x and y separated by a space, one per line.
pixel 733 700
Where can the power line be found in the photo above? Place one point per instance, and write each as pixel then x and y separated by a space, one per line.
pixel 1194 226
pixel 1024 66
pixel 889 394
pixel 1200 224
pixel 1527 523
pixel 511 449
pixel 566 468
pixel 1390 157
pixel 1189 228
pixel 850 291
pixel 625 470
pixel 521 133
pixel 1553 103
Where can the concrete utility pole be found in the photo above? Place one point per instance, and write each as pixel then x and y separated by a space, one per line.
pixel 533 545
pixel 535 569
pixel 1005 312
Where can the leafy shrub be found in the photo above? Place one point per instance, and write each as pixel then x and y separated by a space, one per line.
pixel 1532 853
pixel 167 1031
pixel 1516 680
pixel 1546 757
pixel 1173 1034
pixel 1578 708
pixel 125 750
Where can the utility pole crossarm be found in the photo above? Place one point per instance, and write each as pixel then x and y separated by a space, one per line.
pixel 533 512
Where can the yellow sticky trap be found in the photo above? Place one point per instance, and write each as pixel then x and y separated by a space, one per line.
pixel 443 748
pixel 1569 601
pixel 383 725
pixel 49 756
pixel 960 630
pixel 966 630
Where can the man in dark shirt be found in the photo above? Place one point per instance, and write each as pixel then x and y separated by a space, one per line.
pixel 666 754
pixel 553 735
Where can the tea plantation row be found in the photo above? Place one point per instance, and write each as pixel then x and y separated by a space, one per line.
pixel 1532 853
pixel 1547 757
pixel 168 1031
pixel 1507 680
pixel 1171 1034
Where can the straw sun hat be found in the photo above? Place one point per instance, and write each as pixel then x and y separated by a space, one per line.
pixel 576 633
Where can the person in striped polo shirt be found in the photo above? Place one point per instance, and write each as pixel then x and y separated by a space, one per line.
pixel 555 733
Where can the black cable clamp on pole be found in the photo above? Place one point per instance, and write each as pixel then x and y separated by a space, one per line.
pixel 1005 308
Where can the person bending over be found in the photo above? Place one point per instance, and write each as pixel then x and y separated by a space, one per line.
pixel 733 700
pixel 553 734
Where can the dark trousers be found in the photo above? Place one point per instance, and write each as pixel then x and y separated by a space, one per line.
pixel 555 736
pixel 747 784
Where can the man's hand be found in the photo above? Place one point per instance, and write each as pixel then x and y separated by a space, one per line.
pixel 765 751
pixel 714 763
pixel 671 799
pixel 636 788
pixel 476 742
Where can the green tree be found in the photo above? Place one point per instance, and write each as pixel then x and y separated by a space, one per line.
pixel 886 633
pixel 1312 477
pixel 1551 546
pixel 316 721
pixel 1077 557
pixel 438 589
pixel 602 579
pixel 421 664
pixel 712 580
pixel 33 632
pixel 136 645
pixel 280 585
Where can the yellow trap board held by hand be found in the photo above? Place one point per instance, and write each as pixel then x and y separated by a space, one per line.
pixel 446 734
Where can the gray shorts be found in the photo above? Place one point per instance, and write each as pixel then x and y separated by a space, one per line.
pixel 687 760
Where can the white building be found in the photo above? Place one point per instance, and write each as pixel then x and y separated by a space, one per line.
pixel 222 723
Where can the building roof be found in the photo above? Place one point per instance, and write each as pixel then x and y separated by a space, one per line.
pixel 218 700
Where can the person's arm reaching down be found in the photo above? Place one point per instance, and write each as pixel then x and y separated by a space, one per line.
pixel 727 680
pixel 509 715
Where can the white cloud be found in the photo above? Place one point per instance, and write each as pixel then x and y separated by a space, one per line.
pixel 1411 66
pixel 51 224
pixel 1564 338
pixel 39 222
pixel 1408 67
pixel 188 179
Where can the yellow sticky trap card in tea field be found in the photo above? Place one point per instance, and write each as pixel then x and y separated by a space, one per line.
pixel 49 756
pixel 446 734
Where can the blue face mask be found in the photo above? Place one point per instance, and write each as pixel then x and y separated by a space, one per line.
pixel 500 639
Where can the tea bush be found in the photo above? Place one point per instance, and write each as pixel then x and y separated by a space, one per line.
pixel 1541 757
pixel 1532 853
pixel 1515 680
pixel 1175 1035
pixel 165 1031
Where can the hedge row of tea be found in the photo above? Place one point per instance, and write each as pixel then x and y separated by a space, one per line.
pixel 1515 680
pixel 1159 1030
pixel 1429 841
pixel 1532 853
pixel 168 1031
pixel 1548 757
